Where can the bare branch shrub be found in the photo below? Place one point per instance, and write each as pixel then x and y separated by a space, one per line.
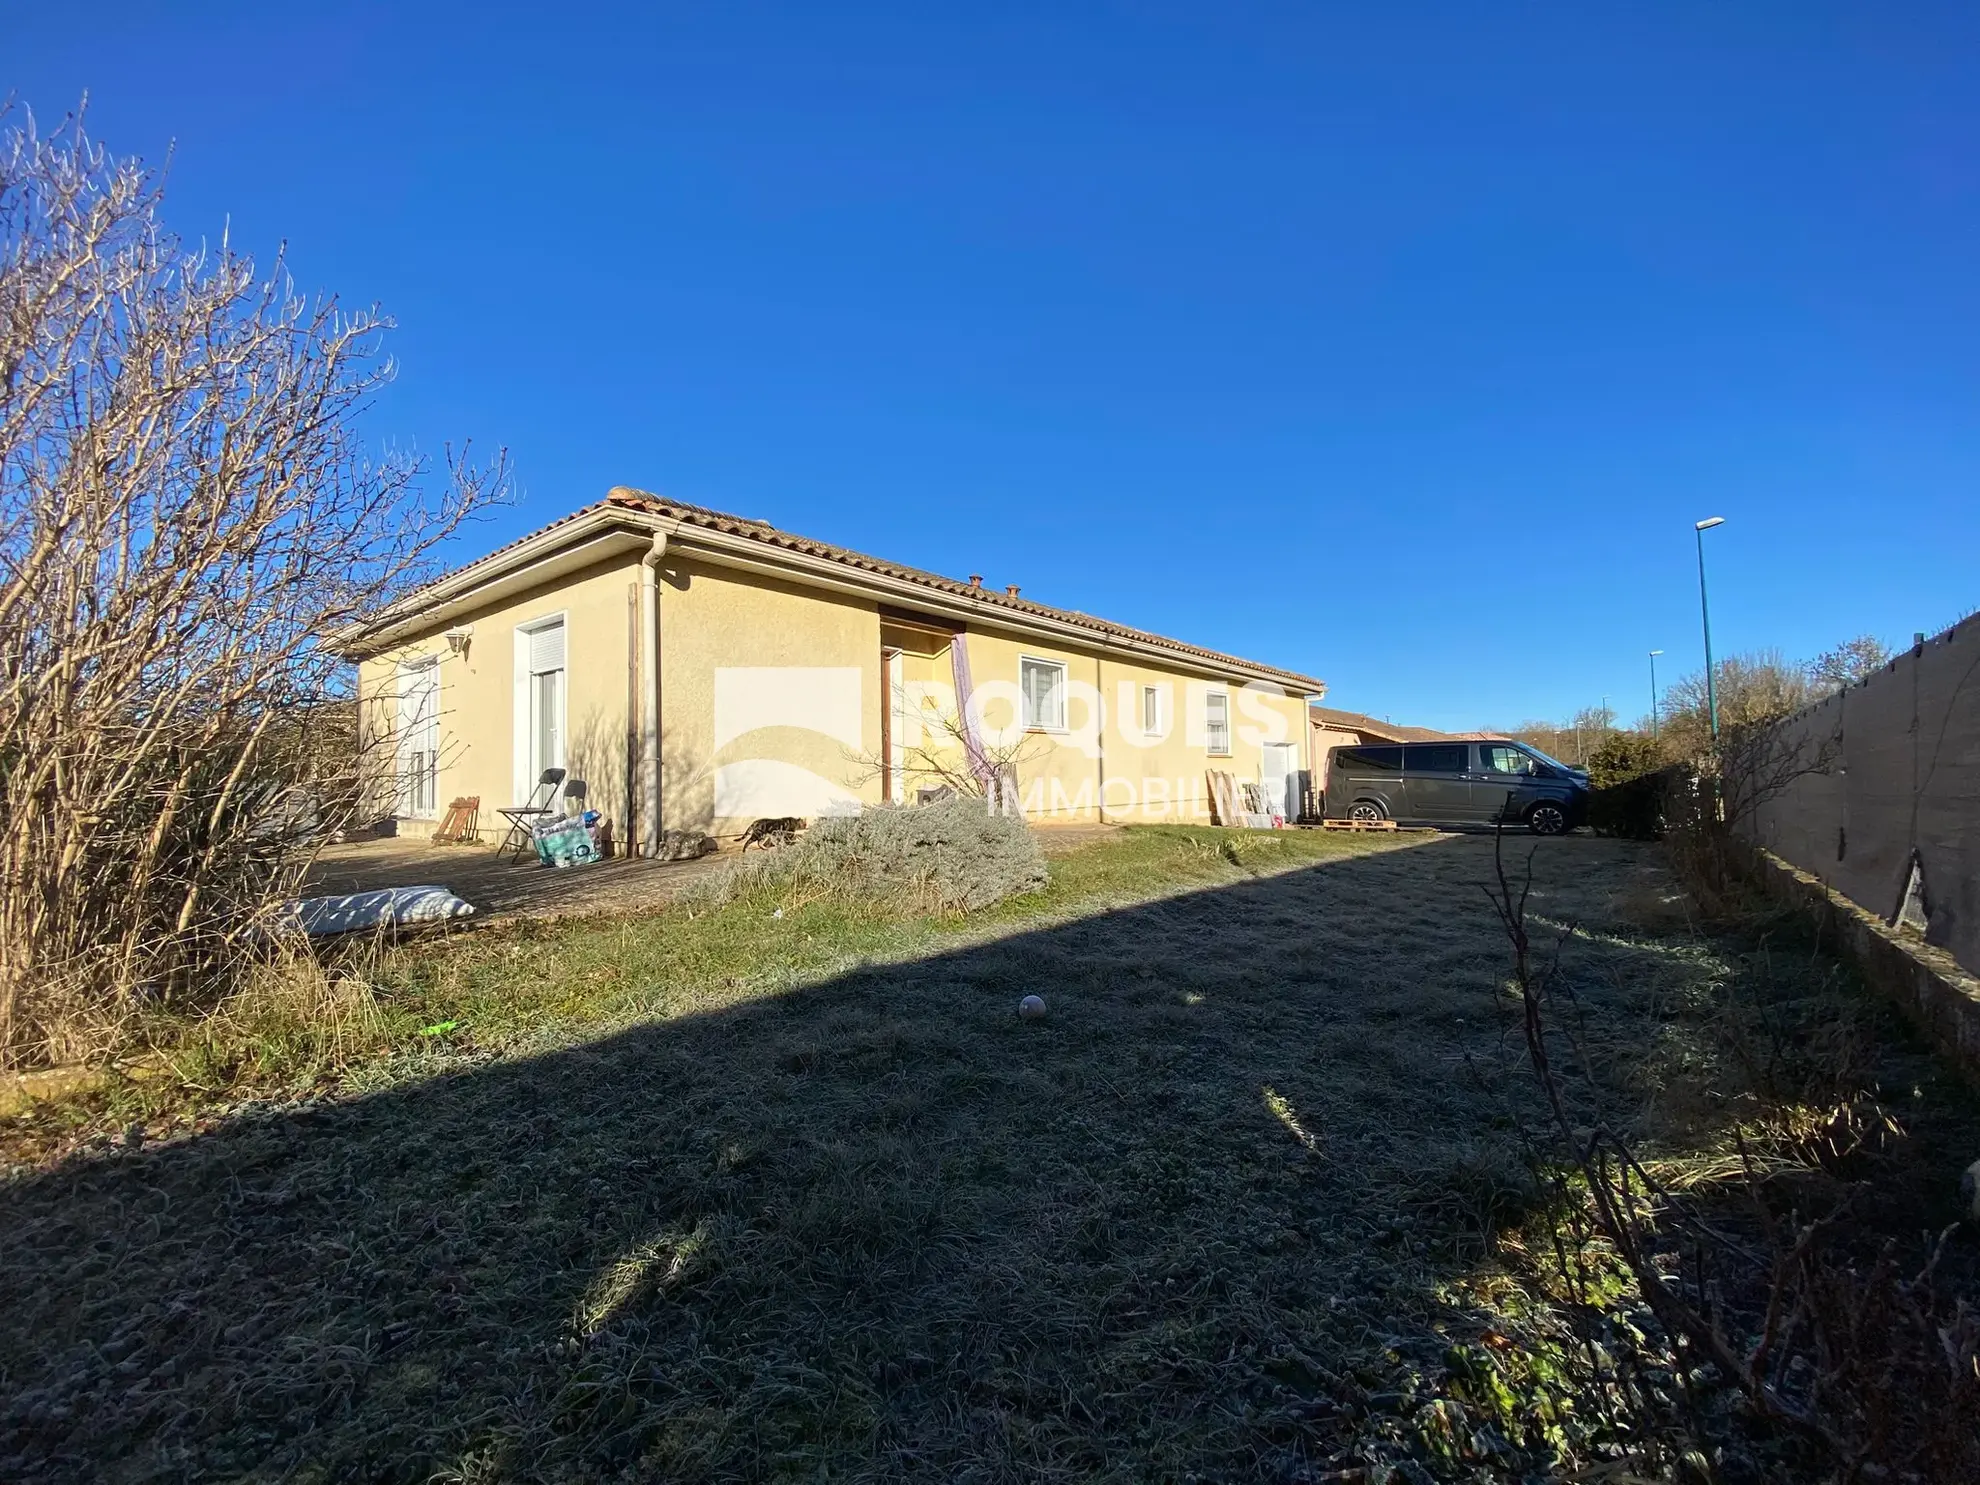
pixel 1705 806
pixel 1870 1367
pixel 186 517
pixel 946 759
pixel 1760 762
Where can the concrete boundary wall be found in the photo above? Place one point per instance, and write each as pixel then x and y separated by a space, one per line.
pixel 1941 999
pixel 1903 784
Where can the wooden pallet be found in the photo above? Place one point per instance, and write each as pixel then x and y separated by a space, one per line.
pixel 1223 797
pixel 1358 824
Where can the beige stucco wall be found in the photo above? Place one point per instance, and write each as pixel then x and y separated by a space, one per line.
pixel 715 619
pixel 1164 779
pixel 1064 775
pixel 477 693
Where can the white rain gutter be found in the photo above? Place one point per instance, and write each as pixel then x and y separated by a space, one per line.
pixel 649 691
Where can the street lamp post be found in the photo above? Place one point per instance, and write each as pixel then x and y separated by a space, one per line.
pixel 1654 731
pixel 1705 611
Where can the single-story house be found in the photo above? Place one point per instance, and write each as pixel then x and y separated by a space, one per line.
pixel 700 671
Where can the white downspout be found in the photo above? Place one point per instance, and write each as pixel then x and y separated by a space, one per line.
pixel 649 755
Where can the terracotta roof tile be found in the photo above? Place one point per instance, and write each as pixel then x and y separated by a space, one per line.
pixel 763 531
pixel 1390 731
pixel 1329 716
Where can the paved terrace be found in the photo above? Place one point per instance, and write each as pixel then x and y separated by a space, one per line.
pixel 524 889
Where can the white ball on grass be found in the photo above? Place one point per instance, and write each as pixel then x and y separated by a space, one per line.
pixel 1032 1007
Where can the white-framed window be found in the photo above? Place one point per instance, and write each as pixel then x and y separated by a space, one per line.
pixel 1042 685
pixel 1151 711
pixel 419 737
pixel 1217 723
pixel 541 660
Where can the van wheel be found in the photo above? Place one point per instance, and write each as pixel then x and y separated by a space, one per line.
pixel 1366 812
pixel 1547 819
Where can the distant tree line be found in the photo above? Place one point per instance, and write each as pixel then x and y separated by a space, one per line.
pixel 1754 687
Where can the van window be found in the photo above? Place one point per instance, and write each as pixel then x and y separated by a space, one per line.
pixel 1502 759
pixel 1369 760
pixel 1437 757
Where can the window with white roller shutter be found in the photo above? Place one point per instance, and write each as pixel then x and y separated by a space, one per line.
pixel 541 669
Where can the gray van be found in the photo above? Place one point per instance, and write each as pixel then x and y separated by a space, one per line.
pixel 1456 783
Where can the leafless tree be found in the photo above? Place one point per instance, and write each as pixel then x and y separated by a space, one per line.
pixel 1849 663
pixel 1757 687
pixel 940 758
pixel 1573 741
pixel 186 514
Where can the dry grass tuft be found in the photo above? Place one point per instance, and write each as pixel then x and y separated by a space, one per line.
pixel 327 1008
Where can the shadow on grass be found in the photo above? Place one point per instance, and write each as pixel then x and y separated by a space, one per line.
pixel 873 1228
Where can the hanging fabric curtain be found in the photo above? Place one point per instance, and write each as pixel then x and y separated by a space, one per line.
pixel 979 761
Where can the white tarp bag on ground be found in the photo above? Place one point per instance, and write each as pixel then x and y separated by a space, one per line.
pixel 388 907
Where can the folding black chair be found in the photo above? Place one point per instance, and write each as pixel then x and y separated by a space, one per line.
pixel 522 816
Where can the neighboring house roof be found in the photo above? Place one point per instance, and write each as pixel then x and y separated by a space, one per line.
pixel 1368 727
pixel 719 536
pixel 1380 731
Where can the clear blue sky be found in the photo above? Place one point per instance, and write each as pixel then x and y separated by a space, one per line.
pixel 1397 344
